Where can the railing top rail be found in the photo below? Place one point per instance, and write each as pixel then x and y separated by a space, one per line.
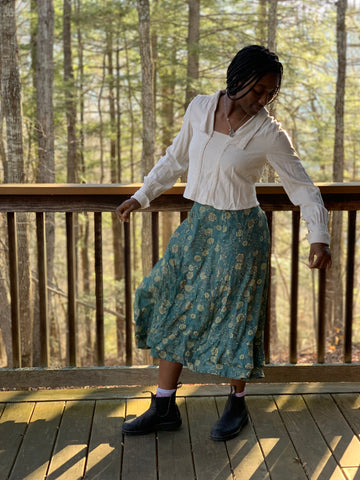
pixel 105 198
pixel 129 189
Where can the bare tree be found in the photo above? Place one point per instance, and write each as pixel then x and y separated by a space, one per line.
pixel 70 102
pixel 272 24
pixel 44 90
pixel 193 50
pixel 147 85
pixel 336 282
pixel 11 108
pixel 45 134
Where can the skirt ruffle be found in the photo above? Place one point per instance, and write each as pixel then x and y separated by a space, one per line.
pixel 204 302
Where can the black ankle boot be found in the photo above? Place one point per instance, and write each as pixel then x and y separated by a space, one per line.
pixel 163 414
pixel 233 419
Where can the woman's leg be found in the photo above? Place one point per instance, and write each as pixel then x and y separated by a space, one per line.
pixel 169 373
pixel 238 384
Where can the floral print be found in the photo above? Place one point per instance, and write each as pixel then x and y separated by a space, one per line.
pixel 204 303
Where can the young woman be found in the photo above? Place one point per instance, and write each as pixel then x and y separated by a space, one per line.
pixel 203 304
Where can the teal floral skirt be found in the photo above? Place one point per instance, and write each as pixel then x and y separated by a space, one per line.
pixel 204 302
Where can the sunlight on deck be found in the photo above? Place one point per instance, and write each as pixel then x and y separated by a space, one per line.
pixel 63 435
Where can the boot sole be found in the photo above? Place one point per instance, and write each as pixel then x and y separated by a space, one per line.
pixel 165 427
pixel 231 435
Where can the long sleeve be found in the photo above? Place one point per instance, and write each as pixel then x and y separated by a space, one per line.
pixel 170 167
pixel 300 188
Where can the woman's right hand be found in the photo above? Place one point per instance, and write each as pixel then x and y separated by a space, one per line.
pixel 123 211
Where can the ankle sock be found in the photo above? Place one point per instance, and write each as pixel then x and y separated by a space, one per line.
pixel 162 392
pixel 241 394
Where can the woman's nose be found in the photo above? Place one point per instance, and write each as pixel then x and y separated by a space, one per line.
pixel 263 99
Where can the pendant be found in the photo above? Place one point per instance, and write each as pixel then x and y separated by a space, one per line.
pixel 231 132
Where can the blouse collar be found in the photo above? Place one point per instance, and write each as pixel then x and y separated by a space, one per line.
pixel 246 132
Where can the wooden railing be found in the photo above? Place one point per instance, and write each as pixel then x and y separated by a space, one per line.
pixel 73 199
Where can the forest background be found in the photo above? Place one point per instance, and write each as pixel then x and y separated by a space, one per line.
pixel 93 92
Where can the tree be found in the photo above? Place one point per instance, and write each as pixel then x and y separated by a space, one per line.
pixel 272 25
pixel 147 95
pixel 193 50
pixel 11 108
pixel 70 101
pixel 336 278
pixel 45 135
pixel 44 90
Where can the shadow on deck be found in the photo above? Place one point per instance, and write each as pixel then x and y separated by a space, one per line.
pixel 297 431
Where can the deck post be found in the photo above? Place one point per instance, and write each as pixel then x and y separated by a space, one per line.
pixel 71 266
pixel 43 294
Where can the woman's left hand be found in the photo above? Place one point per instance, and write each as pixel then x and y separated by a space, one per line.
pixel 320 256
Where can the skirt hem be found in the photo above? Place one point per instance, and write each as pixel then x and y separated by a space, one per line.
pixel 227 371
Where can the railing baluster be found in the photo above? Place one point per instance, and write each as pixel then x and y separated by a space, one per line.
pixel 43 296
pixel 155 236
pixel 128 296
pixel 71 276
pixel 183 215
pixel 349 294
pixel 14 289
pixel 99 290
pixel 321 317
pixel 267 330
pixel 294 286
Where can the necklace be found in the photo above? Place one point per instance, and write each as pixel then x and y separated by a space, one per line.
pixel 231 130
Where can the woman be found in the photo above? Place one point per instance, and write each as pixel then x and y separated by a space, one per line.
pixel 203 305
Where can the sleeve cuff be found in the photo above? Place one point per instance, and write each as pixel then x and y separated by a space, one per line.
pixel 141 198
pixel 318 237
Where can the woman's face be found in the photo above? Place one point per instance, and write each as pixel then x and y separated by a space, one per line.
pixel 259 95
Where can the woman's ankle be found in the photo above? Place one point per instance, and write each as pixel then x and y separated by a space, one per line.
pixel 163 392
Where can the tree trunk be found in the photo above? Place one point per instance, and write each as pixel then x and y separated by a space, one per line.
pixel 11 93
pixel 167 83
pixel 70 105
pixel 5 313
pixel 261 22
pixel 45 133
pixel 336 276
pixel 269 176
pixel 193 50
pixel 44 88
pixel 115 162
pixel 272 25
pixel 80 52
pixel 85 264
pixel 147 158
pixel 11 107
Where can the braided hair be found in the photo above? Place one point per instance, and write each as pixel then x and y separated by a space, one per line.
pixel 250 65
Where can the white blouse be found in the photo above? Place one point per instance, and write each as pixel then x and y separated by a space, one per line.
pixel 223 170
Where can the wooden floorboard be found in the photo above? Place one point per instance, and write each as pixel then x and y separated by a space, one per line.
pixel 210 458
pixel 296 433
pixel 34 456
pixel 312 451
pixel 71 447
pixel 175 458
pixel 139 451
pixel 343 442
pixel 245 454
pixel 275 443
pixel 105 446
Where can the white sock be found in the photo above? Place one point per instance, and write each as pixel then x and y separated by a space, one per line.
pixel 161 392
pixel 241 394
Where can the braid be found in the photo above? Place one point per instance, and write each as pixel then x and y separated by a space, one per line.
pixel 251 64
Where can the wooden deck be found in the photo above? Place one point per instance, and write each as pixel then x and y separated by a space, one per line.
pixel 297 431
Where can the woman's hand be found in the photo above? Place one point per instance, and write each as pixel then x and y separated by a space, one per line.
pixel 123 211
pixel 320 256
